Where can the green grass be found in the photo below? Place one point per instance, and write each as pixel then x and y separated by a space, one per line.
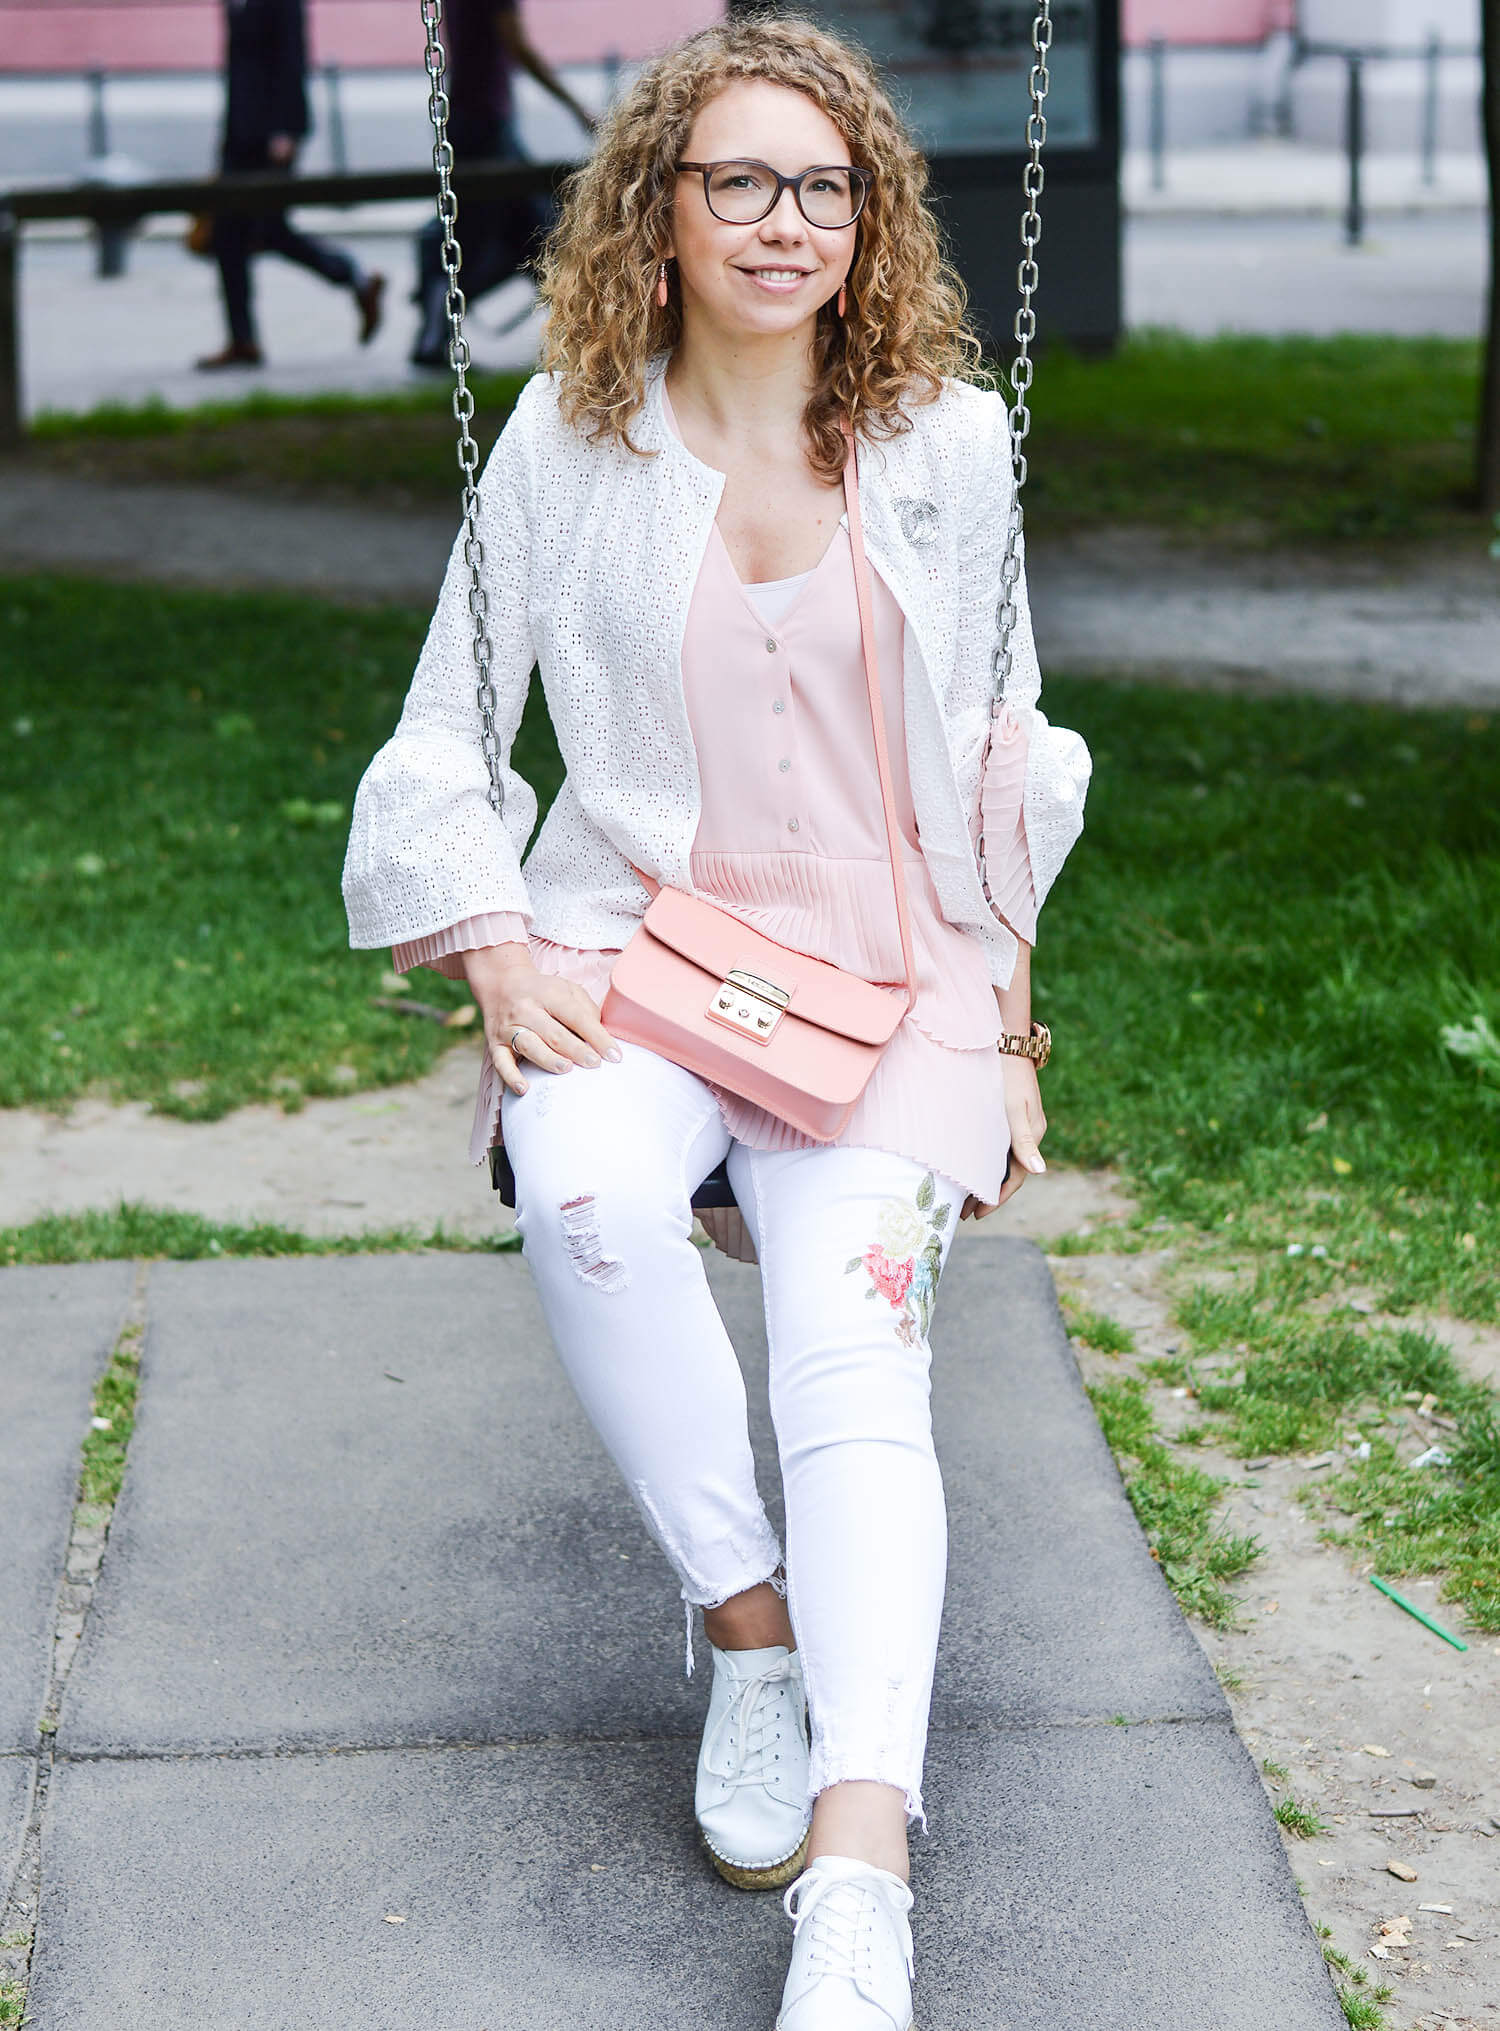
pixel 397 448
pixel 114 1407
pixel 176 776
pixel 1329 440
pixel 1280 1366
pixel 1175 1503
pixel 1276 909
pixel 1362 2011
pixel 1436 1520
pixel 1097 1329
pixel 1351 438
pixel 132 1229
pixel 13 1992
pixel 1299 1820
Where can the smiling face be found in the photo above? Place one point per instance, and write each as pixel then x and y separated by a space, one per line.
pixel 769 279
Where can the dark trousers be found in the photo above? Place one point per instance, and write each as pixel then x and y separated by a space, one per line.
pixel 238 235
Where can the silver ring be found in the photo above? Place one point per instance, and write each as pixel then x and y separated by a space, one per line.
pixel 513 1035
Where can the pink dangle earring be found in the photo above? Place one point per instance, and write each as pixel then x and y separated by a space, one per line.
pixel 661 286
pixel 843 298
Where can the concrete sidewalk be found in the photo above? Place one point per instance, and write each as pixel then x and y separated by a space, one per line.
pixel 379 1715
pixel 1273 178
pixel 1424 631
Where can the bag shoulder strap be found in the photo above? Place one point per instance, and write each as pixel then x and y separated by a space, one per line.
pixel 877 710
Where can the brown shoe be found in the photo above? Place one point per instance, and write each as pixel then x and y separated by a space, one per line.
pixel 368 300
pixel 233 355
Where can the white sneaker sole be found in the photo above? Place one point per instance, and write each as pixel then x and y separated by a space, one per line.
pixel 909 2025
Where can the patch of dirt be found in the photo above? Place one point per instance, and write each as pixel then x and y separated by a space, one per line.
pixel 1331 1672
pixel 394 1157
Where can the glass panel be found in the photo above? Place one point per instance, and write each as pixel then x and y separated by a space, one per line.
pixel 962 66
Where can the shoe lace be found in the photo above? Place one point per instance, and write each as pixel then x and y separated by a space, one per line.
pixel 741 1746
pixel 840 1915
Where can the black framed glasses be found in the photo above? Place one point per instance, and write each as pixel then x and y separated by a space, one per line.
pixel 743 193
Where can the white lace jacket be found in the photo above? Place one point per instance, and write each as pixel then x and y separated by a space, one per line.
pixel 590 557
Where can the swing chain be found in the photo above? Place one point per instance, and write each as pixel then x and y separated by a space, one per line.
pixel 1019 415
pixel 1021 367
pixel 463 398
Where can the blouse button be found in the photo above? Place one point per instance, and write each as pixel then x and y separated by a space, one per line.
pixel 792 825
pixel 778 705
pixel 770 647
pixel 783 764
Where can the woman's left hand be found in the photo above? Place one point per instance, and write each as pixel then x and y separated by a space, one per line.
pixel 1028 1124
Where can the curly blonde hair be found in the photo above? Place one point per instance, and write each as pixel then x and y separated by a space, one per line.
pixel 905 330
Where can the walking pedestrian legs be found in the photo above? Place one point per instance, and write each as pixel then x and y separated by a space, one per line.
pixel 240 235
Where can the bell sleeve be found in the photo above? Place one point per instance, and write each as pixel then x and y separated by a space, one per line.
pixel 427 853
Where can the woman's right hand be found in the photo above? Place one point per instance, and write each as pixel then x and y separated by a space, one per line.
pixel 558 1020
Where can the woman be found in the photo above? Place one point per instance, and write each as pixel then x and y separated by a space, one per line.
pixel 746 259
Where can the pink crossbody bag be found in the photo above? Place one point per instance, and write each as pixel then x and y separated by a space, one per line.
pixel 787 1032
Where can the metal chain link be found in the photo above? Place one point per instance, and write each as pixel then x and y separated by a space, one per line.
pixel 1020 380
pixel 463 399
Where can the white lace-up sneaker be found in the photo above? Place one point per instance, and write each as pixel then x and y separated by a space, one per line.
pixel 851 1955
pixel 751 1793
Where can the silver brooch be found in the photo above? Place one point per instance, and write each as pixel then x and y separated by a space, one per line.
pixel 919 522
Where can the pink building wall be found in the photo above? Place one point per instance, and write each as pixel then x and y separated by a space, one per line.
pixel 1203 20
pixel 125 35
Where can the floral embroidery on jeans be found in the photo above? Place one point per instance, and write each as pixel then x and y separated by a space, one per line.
pixel 906 1257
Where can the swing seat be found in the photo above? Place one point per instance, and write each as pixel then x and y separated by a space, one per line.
pixel 715 1189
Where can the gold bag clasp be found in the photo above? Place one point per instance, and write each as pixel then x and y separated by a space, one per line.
pixel 745 1002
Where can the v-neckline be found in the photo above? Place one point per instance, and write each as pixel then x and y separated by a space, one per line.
pixel 777 626
pixel 669 417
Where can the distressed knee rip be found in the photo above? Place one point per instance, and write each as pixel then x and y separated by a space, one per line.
pixel 585 1249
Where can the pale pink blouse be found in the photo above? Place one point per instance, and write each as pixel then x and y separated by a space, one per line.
pixel 792 841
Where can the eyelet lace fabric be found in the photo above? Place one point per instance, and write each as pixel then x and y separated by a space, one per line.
pixel 591 555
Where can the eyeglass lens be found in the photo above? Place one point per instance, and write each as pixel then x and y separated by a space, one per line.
pixel 742 192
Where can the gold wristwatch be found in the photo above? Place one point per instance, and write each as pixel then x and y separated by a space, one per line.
pixel 1038 1046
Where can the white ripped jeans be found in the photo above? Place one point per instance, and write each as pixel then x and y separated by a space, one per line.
pixel 851 1243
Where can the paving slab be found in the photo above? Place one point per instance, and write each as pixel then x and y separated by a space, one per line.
pixel 1114 1877
pixel 381 1696
pixel 57 1327
pixel 308 1551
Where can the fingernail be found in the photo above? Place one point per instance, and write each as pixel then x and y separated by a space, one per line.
pixel 522 1084
pixel 1038 1163
pixel 614 1054
pixel 592 1058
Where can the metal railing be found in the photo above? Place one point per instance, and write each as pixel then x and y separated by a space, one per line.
pixel 1431 54
pixel 120 207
